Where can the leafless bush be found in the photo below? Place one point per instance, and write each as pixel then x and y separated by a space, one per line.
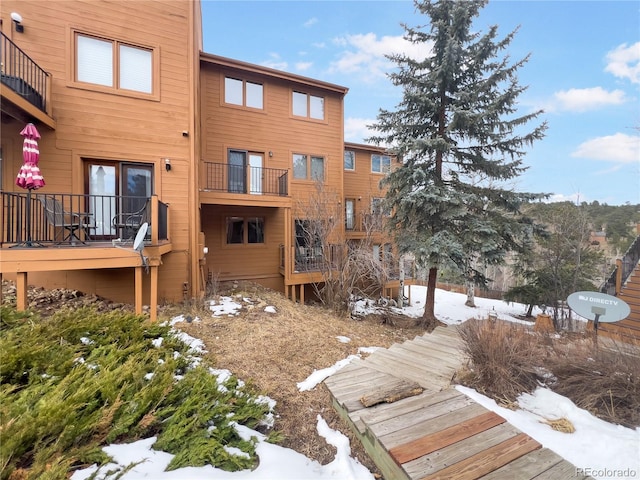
pixel 604 381
pixel 503 358
pixel 349 268
pixel 508 359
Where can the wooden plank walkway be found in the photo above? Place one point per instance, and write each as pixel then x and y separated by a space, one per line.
pixel 439 433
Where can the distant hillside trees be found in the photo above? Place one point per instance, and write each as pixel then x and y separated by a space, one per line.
pixel 560 262
pixel 461 142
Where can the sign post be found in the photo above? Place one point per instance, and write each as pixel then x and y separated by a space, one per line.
pixel 598 307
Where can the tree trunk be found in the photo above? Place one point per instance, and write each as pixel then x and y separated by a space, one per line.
pixel 401 293
pixel 471 294
pixel 429 320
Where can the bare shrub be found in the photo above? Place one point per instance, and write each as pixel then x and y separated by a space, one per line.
pixel 503 358
pixel 603 381
pixel 349 268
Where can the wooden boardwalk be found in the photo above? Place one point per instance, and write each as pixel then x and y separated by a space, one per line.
pixel 439 433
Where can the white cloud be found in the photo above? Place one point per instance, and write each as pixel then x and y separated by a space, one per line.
pixel 561 197
pixel 624 62
pixel 365 54
pixel 310 22
pixel 275 62
pixel 617 148
pixel 355 129
pixel 583 99
pixel 303 66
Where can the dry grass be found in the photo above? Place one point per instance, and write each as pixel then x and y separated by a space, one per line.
pixel 509 359
pixel 604 380
pixel 276 351
pixel 503 356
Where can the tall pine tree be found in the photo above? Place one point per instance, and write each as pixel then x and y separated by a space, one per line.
pixel 461 142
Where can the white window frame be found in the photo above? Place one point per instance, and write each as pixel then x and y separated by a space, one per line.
pixel 384 161
pixel 309 161
pixel 352 154
pixel 114 70
pixel 306 105
pixel 252 93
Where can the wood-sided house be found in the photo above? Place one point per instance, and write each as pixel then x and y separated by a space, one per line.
pixel 137 125
pixel 111 87
pixel 268 137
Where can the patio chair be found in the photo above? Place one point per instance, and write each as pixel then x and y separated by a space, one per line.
pixel 69 224
pixel 127 223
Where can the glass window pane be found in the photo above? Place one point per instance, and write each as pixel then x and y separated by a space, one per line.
pixel 255 230
pixel 233 91
pixel 300 104
pixel 299 166
pixel 386 163
pixel 254 95
pixel 316 107
pixel 235 230
pixel 317 168
pixel 375 163
pixel 95 61
pixel 136 69
pixel 349 160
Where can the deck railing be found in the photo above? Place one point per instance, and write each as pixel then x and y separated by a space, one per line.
pixel 21 74
pixel 62 219
pixel 225 177
pixel 623 269
pixel 364 222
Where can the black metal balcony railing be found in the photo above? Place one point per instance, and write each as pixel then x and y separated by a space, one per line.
pixel 224 177
pixel 66 219
pixel 364 222
pixel 21 74
pixel 627 265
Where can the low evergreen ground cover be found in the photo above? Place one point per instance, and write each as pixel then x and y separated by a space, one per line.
pixel 75 382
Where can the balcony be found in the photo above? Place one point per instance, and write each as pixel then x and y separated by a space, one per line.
pixel 26 86
pixel 244 184
pixel 68 220
pixel 363 223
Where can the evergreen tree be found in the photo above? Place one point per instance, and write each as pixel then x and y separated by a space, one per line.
pixel 458 134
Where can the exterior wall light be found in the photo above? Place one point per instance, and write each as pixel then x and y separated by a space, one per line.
pixel 17 21
pixel 167 164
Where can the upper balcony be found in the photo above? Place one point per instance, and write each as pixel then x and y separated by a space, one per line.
pixel 229 184
pixel 26 87
pixel 362 225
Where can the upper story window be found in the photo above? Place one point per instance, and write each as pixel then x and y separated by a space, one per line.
pixel 380 163
pixel 308 167
pixel 309 106
pixel 349 160
pixel 243 93
pixel 114 64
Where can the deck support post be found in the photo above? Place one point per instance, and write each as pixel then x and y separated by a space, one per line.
pixel 138 289
pixel 22 301
pixel 153 301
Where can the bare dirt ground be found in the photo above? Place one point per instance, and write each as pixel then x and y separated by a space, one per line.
pixel 272 351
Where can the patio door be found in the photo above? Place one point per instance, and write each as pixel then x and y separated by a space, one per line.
pixel 349 213
pixel 255 173
pixel 115 188
pixel 236 180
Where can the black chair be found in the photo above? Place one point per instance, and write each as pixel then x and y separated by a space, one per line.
pixel 128 223
pixel 71 223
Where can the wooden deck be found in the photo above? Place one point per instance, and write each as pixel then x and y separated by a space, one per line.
pixel 439 433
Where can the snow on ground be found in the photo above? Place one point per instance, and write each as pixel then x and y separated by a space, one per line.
pixel 597 448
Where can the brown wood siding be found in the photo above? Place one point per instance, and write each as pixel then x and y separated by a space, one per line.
pixel 92 124
pixel 272 129
pixel 258 262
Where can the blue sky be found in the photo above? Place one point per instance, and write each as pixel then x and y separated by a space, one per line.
pixel 584 72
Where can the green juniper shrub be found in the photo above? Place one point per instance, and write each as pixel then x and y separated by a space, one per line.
pixel 79 380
